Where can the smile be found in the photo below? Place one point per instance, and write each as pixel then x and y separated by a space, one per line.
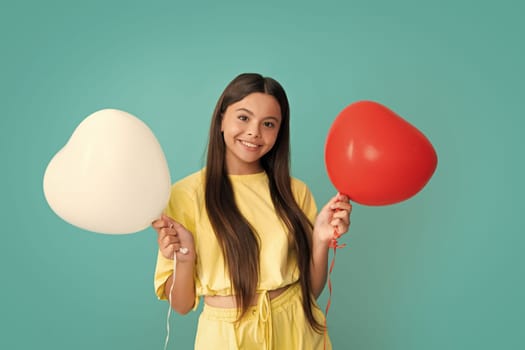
pixel 249 144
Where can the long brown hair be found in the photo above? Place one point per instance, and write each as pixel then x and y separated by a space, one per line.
pixel 237 238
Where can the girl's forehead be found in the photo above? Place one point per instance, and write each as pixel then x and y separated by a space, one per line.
pixel 257 104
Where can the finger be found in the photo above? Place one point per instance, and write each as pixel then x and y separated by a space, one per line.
pixel 330 205
pixel 164 241
pixel 336 222
pixel 341 214
pixel 340 222
pixel 158 224
pixel 340 205
pixel 177 225
pixel 169 221
pixel 342 197
pixel 170 231
pixel 169 242
pixel 163 221
pixel 181 230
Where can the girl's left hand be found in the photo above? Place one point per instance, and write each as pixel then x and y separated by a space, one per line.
pixel 333 220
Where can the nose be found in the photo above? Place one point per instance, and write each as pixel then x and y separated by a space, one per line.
pixel 253 130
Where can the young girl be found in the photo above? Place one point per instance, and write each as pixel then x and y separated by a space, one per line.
pixel 247 236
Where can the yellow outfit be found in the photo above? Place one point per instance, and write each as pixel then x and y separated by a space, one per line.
pixel 278 268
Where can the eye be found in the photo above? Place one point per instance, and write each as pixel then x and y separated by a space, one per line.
pixel 269 124
pixel 242 117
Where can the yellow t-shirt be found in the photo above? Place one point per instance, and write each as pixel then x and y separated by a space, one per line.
pixel 278 262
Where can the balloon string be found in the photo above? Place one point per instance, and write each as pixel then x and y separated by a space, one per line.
pixel 169 298
pixel 334 245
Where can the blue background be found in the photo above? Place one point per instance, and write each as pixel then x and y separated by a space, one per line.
pixel 443 270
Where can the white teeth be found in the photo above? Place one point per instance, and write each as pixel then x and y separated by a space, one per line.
pixel 249 144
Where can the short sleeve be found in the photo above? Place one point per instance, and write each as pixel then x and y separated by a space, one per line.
pixel 305 199
pixel 163 270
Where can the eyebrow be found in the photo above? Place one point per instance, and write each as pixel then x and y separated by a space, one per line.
pixel 245 110
pixel 251 113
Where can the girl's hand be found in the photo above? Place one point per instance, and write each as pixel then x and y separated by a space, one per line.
pixel 174 238
pixel 333 220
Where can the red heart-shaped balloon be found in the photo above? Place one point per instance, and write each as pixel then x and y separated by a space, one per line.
pixel 376 157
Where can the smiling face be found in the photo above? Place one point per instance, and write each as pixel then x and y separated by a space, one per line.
pixel 250 128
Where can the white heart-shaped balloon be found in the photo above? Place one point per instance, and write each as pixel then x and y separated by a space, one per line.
pixel 110 177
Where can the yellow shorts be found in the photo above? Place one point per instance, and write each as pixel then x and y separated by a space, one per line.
pixel 277 324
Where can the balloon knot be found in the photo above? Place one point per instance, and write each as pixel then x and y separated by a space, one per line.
pixel 335 245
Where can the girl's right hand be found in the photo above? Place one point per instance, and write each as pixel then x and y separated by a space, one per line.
pixel 174 238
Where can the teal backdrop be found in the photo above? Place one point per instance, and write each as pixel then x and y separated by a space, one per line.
pixel 443 270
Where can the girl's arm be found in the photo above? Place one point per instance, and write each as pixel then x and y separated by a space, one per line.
pixel 174 238
pixel 319 267
pixel 183 292
pixel 334 218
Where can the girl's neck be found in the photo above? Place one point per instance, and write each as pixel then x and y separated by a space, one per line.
pixel 245 170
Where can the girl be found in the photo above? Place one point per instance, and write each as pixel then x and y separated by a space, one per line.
pixel 246 234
